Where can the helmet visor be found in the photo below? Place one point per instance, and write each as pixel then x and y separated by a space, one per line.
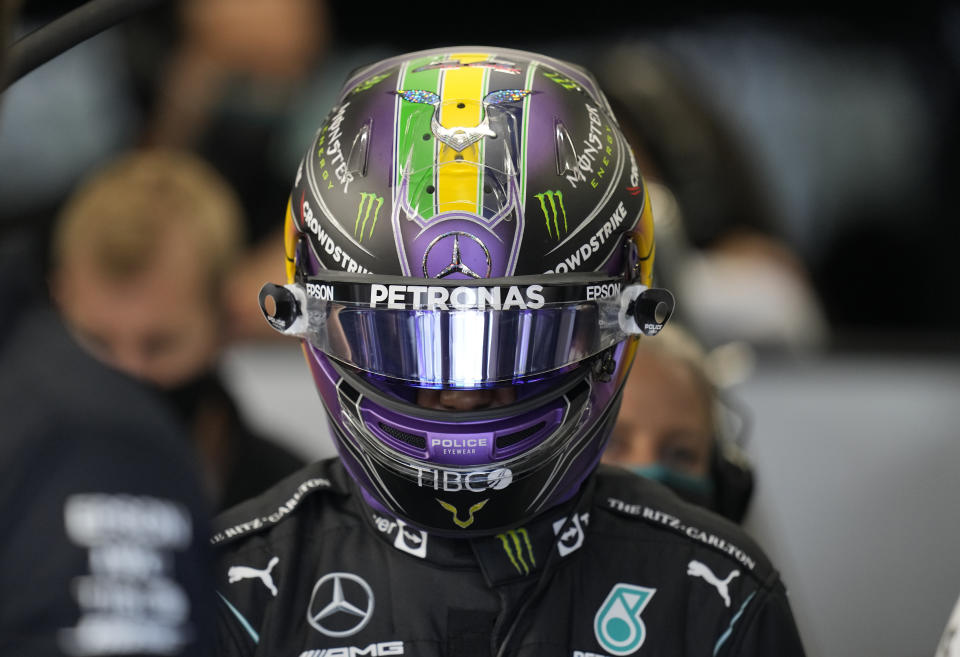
pixel 463 333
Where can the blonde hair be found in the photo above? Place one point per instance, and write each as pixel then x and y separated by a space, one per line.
pixel 676 343
pixel 118 215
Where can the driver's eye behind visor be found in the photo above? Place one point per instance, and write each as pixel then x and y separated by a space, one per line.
pixel 461 348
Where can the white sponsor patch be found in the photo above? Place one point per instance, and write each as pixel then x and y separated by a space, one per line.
pixel 590 149
pixel 604 291
pixel 674 522
pixel 476 481
pixel 411 540
pixel 129 601
pixel 265 575
pixel 319 291
pixel 593 245
pixel 382 649
pixel 256 523
pixel 405 538
pixel 334 152
pixel 326 243
pixel 699 569
pixel 572 538
pixel 431 297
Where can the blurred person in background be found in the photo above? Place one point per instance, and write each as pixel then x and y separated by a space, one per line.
pixel 216 77
pixel 739 279
pixel 232 76
pixel 671 426
pixel 104 546
pixel 140 257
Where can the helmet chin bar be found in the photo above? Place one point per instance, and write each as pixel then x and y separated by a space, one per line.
pixel 289 301
pixel 464 501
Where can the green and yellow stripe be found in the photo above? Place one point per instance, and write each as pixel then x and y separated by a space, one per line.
pixel 458 184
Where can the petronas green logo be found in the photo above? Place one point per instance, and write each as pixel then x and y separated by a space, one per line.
pixel 551 202
pixel 617 625
pixel 516 543
pixel 364 212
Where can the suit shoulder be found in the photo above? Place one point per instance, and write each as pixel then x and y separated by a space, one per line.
pixel 624 495
pixel 282 502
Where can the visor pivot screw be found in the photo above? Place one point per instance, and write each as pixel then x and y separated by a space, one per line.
pixel 279 306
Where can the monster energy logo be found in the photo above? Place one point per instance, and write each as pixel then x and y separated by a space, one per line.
pixel 564 82
pixel 555 199
pixel 367 201
pixel 366 84
pixel 514 548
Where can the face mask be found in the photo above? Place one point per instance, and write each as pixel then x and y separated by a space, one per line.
pixel 692 488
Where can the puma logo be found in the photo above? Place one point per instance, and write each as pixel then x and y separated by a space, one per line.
pixel 698 569
pixel 237 573
pixel 456 520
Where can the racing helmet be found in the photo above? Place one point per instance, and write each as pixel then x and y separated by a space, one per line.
pixel 469 253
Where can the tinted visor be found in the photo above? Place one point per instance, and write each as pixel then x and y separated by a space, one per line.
pixel 462 333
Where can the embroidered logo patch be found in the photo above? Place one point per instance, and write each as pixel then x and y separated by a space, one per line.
pixel 618 626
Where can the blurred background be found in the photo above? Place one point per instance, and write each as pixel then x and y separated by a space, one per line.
pixel 803 163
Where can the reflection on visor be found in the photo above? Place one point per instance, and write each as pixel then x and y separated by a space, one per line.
pixel 464 333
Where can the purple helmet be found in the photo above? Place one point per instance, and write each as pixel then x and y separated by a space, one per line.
pixel 469 256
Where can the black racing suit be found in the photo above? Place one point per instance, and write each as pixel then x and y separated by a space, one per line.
pixel 102 549
pixel 310 570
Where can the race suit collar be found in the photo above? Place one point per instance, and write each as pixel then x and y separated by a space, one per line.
pixel 504 557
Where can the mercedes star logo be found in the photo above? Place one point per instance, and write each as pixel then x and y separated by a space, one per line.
pixel 341 604
pixel 456 266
